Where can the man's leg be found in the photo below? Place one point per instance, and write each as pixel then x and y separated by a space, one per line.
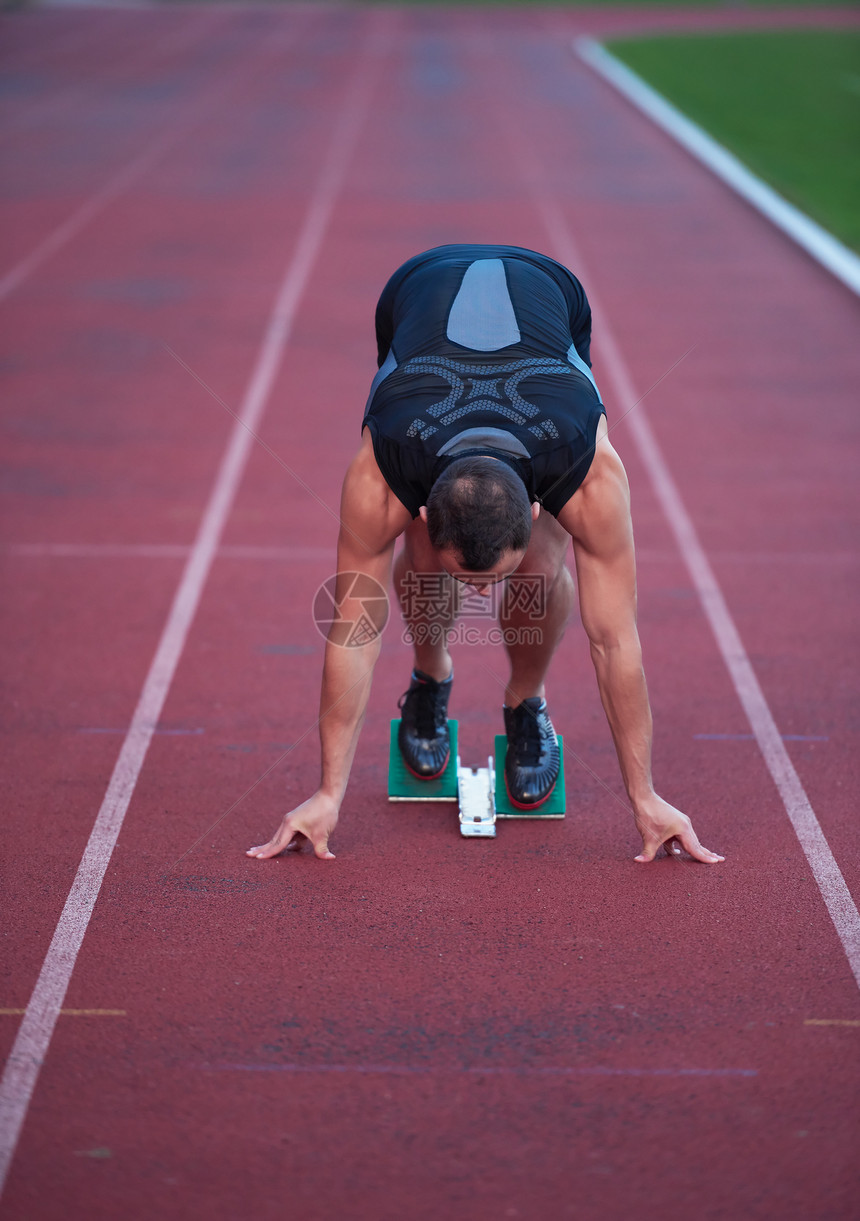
pixel 429 599
pixel 536 609
pixel 533 618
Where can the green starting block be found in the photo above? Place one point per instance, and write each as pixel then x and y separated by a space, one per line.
pixel 479 792
pixel 553 807
pixel 403 786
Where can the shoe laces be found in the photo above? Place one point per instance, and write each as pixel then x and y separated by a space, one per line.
pixel 527 736
pixel 421 699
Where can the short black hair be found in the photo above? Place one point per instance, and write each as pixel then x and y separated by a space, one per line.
pixel 479 507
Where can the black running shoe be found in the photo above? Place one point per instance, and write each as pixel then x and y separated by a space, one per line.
pixel 532 761
pixel 423 732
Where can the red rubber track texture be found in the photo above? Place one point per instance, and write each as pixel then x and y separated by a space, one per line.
pixel 530 1027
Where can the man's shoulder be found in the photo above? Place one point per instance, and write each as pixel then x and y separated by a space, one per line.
pixel 369 508
pixel 598 513
pixel 364 487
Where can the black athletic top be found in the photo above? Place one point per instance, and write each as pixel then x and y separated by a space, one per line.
pixel 483 350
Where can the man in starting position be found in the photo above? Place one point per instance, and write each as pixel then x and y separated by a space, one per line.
pixel 485 445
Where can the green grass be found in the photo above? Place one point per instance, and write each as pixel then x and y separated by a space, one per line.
pixel 720 4
pixel 787 103
pixel 716 4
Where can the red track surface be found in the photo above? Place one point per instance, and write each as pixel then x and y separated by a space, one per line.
pixel 532 1027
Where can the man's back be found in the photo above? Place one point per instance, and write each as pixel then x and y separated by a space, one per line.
pixel 458 301
pixel 483 349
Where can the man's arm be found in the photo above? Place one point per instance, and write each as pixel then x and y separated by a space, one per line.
pixel 371 519
pixel 598 518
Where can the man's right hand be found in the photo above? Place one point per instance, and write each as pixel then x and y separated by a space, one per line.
pixel 371 518
pixel 312 821
pixel 661 825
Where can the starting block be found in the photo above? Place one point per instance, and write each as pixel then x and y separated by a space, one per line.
pixel 479 792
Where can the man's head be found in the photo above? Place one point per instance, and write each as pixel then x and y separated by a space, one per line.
pixel 478 515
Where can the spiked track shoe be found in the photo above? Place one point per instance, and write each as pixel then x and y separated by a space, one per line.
pixel 423 735
pixel 532 759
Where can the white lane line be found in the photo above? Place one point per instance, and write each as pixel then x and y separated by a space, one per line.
pixel 816 241
pixel 161 551
pixel 840 905
pixel 488 1070
pixel 834 891
pixel 816 559
pixel 837 898
pixel 98 551
pixel 37 1027
pixel 121 181
pixel 250 551
pixel 71 1012
pixel 167 733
